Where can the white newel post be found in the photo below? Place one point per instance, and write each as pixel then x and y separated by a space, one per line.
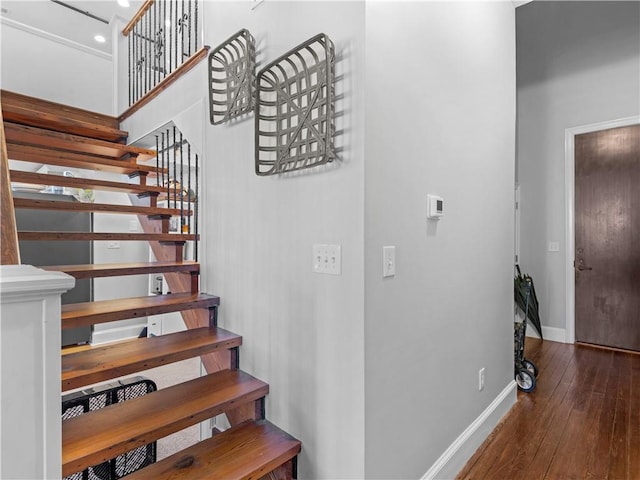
pixel 30 422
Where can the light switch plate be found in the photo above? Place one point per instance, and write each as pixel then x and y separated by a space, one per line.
pixel 327 259
pixel 388 261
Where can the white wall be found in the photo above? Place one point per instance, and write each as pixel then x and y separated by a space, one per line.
pixel 40 66
pixel 440 112
pixel 578 64
pixel 303 332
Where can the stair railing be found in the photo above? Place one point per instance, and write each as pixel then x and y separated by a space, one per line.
pixel 162 36
pixel 163 43
pixel 178 167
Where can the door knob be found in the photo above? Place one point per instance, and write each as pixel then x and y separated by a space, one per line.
pixel 580 265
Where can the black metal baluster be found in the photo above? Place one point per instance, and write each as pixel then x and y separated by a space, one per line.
pixel 195 27
pixel 135 64
pixel 189 186
pixel 184 19
pixel 164 149
pixel 152 41
pixel 175 176
pixel 189 32
pixel 147 70
pixel 175 46
pixel 163 57
pixel 129 73
pixel 170 28
pixel 182 222
pixel 195 243
pixel 157 163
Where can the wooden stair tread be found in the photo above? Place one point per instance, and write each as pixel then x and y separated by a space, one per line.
pixel 25 115
pixel 89 313
pixel 94 270
pixel 101 363
pixel 28 203
pixel 99 435
pixel 95 236
pixel 247 451
pixel 83 183
pixel 30 153
pixel 38 104
pixel 25 135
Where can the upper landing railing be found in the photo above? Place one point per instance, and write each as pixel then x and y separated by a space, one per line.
pixel 163 42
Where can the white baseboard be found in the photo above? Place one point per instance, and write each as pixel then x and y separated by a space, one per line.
pixel 460 451
pixel 118 333
pixel 553 334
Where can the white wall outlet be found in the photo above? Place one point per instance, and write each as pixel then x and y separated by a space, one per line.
pixel 388 261
pixel 481 379
pixel 133 225
pixel 113 245
pixel 327 259
pixel 554 246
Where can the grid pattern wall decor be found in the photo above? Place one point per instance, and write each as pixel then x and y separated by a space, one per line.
pixel 294 122
pixel 232 78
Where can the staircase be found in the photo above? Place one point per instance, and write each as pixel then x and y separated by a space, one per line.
pixel 42 132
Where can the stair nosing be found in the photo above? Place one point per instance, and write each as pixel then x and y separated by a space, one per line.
pixel 134 307
pixel 94 270
pixel 85 161
pixel 106 361
pixel 97 236
pixel 213 397
pixel 31 204
pixel 78 182
pixel 71 139
pixel 31 116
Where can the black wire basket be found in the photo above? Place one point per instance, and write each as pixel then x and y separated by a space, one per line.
pixel 78 403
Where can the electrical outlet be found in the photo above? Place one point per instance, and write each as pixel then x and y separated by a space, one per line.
pixel 554 246
pixel 113 245
pixel 481 379
pixel 327 259
pixel 388 261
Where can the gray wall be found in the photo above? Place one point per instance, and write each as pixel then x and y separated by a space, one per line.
pixel 578 64
pixel 440 110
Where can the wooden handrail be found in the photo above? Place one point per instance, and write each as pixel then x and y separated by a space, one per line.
pixel 137 17
pixel 10 252
pixel 168 80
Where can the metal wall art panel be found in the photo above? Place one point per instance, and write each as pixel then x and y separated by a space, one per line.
pixel 232 68
pixel 295 109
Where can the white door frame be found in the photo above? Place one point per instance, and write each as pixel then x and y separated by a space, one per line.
pixel 570 234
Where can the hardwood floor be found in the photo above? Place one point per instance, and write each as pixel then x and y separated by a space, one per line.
pixel 581 422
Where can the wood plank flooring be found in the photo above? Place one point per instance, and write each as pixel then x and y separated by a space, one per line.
pixel 581 422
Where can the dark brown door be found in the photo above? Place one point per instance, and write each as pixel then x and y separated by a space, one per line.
pixel 607 263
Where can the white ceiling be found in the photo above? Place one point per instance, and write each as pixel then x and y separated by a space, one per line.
pixel 58 20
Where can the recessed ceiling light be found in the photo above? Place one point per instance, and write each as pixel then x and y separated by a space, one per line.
pixel 123 3
pixel 99 39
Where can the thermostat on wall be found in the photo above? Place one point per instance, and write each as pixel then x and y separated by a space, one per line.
pixel 435 207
